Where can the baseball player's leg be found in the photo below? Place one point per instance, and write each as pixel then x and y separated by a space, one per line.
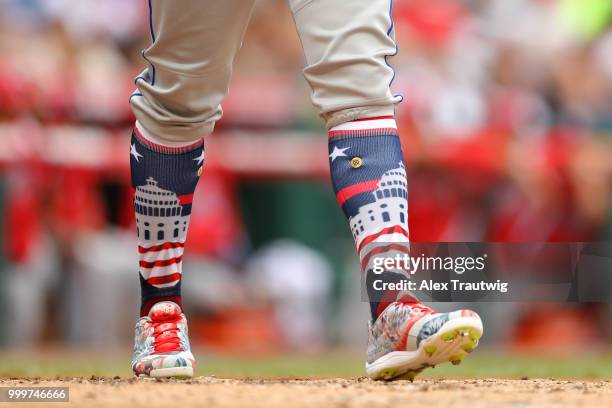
pixel 348 44
pixel 194 43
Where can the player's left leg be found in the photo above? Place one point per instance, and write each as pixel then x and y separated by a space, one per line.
pixel 347 44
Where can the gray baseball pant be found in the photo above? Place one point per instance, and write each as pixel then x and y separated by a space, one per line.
pixel 346 44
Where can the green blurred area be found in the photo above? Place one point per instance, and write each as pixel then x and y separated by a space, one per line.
pixel 588 18
pixel 486 364
pixel 305 211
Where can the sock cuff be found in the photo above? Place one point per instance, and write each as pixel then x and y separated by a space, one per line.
pixel 381 125
pixel 159 148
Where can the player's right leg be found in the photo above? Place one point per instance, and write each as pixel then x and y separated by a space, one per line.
pixel 194 43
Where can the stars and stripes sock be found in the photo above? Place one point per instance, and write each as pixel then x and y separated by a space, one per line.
pixel 164 179
pixel 369 179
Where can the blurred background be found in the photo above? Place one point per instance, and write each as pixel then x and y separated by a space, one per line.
pixel 506 125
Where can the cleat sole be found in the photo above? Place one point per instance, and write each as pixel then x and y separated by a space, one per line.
pixel 455 339
pixel 172 372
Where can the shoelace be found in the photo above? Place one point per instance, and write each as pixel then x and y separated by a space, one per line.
pixel 166 337
pixel 418 309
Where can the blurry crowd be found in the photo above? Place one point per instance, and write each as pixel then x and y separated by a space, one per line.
pixel 506 125
pixel 521 90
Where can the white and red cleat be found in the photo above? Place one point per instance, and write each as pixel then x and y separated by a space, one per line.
pixel 408 337
pixel 161 344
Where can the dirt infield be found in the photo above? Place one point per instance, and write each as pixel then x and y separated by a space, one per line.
pixel 212 392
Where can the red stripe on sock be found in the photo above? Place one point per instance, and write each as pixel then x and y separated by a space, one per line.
pixel 158 248
pixel 387 231
pixel 160 280
pixel 167 262
pixel 347 192
pixel 374 118
pixel 185 199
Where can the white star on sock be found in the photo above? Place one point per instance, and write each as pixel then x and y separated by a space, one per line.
pixel 200 159
pixel 338 153
pixel 134 153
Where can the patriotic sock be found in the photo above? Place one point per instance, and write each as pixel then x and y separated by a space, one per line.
pixel 164 179
pixel 369 179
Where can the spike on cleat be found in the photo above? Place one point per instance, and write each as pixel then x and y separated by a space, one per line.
pixel 388 374
pixel 456 359
pixel 468 347
pixel 410 376
pixel 449 336
pixel 430 350
pixel 475 335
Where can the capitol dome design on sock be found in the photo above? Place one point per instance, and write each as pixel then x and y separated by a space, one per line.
pixel 164 180
pixel 369 179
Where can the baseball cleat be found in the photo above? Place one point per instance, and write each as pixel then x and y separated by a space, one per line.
pixel 409 337
pixel 161 344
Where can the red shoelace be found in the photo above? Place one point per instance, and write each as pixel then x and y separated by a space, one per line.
pixel 418 309
pixel 166 336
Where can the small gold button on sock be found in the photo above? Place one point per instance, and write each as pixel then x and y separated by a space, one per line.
pixel 356 162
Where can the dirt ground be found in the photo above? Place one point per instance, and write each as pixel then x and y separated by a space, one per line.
pixel 211 392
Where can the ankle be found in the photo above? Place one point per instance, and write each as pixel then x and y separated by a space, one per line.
pixel 146 306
